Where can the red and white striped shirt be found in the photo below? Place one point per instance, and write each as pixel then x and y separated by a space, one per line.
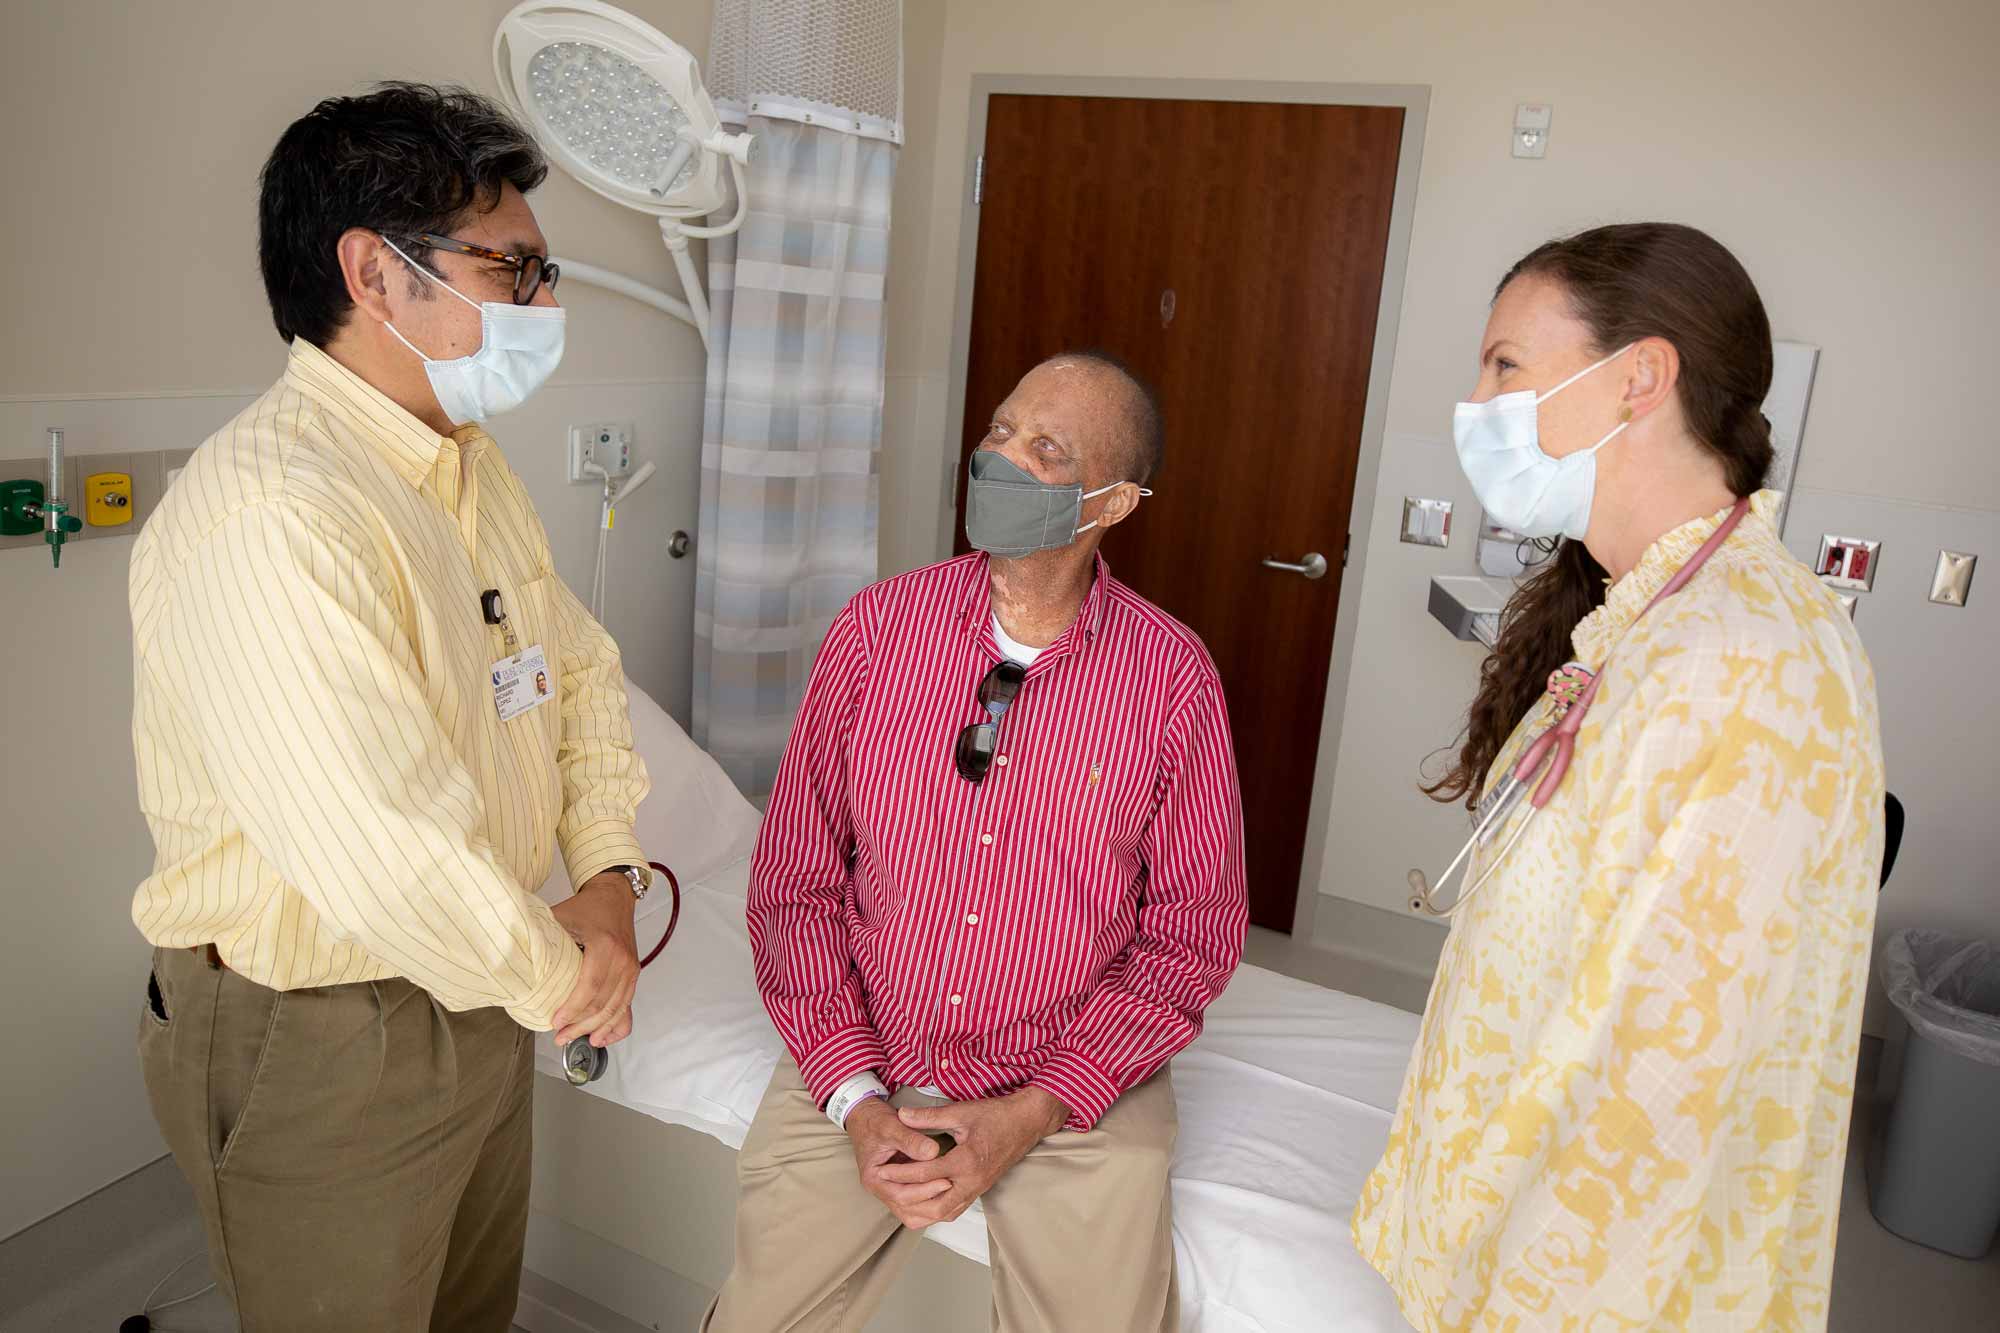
pixel 1062 923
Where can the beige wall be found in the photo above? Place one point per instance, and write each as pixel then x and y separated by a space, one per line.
pixel 1844 151
pixel 132 212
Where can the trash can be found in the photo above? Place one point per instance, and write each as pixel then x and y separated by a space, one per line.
pixel 1939 1179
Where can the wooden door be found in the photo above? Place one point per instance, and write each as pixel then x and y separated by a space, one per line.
pixel 1233 253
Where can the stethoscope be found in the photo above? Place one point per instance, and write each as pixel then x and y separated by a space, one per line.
pixel 1553 749
pixel 583 1063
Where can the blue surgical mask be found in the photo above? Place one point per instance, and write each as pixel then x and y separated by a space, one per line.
pixel 1518 484
pixel 1009 513
pixel 519 348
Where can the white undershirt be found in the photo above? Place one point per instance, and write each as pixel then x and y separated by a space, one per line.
pixel 1013 649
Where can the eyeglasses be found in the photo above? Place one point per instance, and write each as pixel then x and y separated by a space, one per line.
pixel 531 272
pixel 977 742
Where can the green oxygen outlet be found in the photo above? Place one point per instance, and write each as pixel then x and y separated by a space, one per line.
pixel 20 508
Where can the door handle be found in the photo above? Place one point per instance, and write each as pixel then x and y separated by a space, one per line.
pixel 1312 567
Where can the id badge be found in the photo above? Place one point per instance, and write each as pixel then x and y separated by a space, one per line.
pixel 521 683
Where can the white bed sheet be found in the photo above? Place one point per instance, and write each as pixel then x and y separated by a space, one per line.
pixel 1285 1101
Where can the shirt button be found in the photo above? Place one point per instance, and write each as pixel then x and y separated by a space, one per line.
pixel 972 918
pixel 986 840
pixel 957 999
pixel 944 1064
pixel 1000 759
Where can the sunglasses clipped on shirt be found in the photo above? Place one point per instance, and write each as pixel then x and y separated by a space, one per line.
pixel 977 743
pixel 531 272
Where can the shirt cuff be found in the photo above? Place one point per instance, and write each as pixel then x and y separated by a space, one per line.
pixel 839 1057
pixel 537 1010
pixel 596 847
pixel 1074 1081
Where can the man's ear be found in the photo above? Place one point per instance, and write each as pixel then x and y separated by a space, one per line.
pixel 368 265
pixel 1120 504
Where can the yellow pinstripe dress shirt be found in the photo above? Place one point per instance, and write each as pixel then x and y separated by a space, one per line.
pixel 1628 1105
pixel 332 794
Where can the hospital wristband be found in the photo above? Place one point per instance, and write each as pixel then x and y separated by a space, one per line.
pixel 851 1094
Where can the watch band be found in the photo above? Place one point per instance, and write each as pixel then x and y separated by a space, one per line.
pixel 639 877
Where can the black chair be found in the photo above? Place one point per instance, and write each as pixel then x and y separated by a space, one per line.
pixel 1892 835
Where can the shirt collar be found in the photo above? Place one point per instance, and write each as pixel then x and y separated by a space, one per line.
pixel 1626 600
pixel 411 447
pixel 976 610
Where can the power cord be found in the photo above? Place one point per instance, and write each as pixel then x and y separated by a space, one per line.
pixel 143 1321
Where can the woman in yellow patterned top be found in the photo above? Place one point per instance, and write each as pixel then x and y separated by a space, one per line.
pixel 1628 1106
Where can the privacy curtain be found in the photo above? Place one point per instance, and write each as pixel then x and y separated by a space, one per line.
pixel 792 419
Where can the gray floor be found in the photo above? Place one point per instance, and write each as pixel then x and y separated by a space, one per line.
pixel 91 1266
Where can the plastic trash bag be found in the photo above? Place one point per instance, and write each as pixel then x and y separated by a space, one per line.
pixel 1949 989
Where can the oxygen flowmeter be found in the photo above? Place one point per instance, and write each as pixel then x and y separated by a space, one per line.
pixel 26 506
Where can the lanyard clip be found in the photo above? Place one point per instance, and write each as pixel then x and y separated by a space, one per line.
pixel 490 607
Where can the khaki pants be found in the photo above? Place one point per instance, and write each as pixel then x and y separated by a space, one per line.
pixel 1080 1231
pixel 360 1156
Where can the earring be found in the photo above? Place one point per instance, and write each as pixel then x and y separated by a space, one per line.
pixel 1625 413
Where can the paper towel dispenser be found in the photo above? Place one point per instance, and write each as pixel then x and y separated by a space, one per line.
pixel 1469 605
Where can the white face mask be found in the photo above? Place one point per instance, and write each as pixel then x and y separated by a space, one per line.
pixel 1518 484
pixel 519 348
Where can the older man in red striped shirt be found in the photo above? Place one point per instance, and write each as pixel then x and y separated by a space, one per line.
pixel 1000 879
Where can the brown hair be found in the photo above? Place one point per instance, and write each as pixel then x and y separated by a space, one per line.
pixel 1627 282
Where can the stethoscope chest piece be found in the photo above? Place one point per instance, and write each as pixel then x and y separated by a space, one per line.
pixel 583 1063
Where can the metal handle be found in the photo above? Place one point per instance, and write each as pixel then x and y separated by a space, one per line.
pixel 1312 567
pixel 678 546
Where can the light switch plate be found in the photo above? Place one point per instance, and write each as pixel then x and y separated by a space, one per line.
pixel 1427 522
pixel 1848 562
pixel 1953 582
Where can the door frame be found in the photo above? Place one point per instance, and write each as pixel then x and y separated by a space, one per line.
pixel 1415 101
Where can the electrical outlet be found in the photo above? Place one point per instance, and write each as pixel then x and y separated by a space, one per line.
pixel 602 444
pixel 1848 562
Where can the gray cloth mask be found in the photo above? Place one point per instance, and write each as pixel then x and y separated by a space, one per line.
pixel 1009 513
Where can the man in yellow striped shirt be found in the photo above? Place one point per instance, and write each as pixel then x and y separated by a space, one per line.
pixel 354 784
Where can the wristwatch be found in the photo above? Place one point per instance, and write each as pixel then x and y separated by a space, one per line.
pixel 640 877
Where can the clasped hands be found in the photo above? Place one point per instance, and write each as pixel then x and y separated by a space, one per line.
pixel 917 1179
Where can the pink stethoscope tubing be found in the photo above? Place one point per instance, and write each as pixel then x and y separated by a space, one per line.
pixel 1553 749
